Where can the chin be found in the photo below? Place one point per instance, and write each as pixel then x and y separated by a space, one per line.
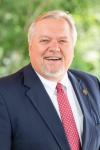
pixel 54 75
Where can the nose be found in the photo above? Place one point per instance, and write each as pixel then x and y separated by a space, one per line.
pixel 54 46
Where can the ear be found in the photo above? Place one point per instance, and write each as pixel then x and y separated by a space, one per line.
pixel 30 47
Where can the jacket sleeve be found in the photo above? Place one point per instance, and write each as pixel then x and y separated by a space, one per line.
pixel 5 126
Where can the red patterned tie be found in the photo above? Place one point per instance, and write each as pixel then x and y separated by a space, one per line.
pixel 67 118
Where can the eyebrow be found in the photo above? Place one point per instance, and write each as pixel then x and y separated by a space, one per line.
pixel 44 36
pixel 62 37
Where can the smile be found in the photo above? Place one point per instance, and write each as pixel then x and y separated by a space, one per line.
pixel 53 58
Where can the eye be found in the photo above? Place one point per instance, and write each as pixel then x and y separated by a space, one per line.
pixel 44 41
pixel 63 41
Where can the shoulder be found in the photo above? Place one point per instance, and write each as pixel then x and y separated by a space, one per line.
pixel 82 74
pixel 12 78
pixel 85 77
pixel 12 81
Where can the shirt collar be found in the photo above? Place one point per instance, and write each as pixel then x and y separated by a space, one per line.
pixel 52 84
pixel 65 81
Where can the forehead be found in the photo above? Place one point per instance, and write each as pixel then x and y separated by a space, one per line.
pixel 53 26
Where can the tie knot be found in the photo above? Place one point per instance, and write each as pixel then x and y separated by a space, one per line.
pixel 59 86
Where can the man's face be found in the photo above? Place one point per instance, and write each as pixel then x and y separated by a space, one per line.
pixel 51 50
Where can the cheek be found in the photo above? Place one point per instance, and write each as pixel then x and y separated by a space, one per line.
pixel 36 57
pixel 33 51
pixel 69 55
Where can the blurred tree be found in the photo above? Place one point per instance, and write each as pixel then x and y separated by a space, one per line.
pixel 16 16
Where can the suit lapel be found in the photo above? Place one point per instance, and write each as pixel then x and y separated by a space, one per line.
pixel 41 101
pixel 88 137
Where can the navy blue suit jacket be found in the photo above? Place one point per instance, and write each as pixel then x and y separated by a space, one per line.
pixel 29 121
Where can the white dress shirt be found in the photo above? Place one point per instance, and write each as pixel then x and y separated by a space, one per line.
pixel 50 87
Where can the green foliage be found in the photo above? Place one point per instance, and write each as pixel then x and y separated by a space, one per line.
pixel 15 17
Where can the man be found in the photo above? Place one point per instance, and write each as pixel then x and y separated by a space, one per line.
pixel 30 113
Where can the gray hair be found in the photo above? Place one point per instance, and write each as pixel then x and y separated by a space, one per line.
pixel 57 14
